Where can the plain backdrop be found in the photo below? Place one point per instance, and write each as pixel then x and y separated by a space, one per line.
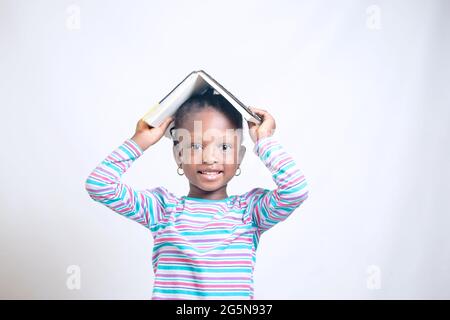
pixel 359 91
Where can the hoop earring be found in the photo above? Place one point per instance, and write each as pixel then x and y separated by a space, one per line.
pixel 239 172
pixel 180 174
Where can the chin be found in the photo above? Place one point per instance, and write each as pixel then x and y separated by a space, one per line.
pixel 210 185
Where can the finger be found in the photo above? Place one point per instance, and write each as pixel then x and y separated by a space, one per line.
pixel 265 115
pixel 260 112
pixel 251 124
pixel 258 109
pixel 166 122
pixel 142 124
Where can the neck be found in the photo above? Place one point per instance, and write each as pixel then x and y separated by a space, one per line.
pixel 196 192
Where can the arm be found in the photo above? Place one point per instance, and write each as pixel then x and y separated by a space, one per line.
pixel 270 207
pixel 104 185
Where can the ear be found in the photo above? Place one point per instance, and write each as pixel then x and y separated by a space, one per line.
pixel 241 154
pixel 177 154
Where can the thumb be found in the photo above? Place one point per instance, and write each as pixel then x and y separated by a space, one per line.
pixel 251 124
pixel 166 122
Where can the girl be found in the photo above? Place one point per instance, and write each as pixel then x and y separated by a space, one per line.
pixel 204 243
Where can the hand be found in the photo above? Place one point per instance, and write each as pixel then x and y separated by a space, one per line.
pixel 265 129
pixel 146 135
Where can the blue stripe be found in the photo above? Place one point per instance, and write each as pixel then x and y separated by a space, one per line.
pixel 203 269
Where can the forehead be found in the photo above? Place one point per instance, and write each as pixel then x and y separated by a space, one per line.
pixel 208 134
pixel 208 118
pixel 209 124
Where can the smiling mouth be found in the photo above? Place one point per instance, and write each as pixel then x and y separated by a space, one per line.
pixel 210 172
pixel 210 175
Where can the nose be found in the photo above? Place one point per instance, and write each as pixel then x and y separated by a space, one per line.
pixel 209 156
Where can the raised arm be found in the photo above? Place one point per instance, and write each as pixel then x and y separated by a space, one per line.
pixel 105 186
pixel 270 207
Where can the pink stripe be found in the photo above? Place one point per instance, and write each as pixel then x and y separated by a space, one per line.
pixel 102 178
pixel 195 285
pixel 206 262
pixel 131 146
pixel 215 251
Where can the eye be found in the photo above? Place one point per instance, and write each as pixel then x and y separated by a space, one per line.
pixel 196 146
pixel 226 146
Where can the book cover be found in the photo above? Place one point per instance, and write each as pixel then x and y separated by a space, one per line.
pixel 197 82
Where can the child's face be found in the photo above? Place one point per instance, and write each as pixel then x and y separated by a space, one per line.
pixel 209 142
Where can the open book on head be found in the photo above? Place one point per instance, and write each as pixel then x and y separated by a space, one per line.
pixel 197 82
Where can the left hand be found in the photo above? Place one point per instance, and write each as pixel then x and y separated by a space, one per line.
pixel 265 129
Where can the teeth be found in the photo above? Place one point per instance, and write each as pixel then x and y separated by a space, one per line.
pixel 210 172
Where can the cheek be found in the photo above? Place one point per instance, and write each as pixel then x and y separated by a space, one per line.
pixel 230 169
pixel 230 158
pixel 189 171
pixel 192 157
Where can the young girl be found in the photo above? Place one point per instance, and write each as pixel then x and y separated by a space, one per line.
pixel 204 243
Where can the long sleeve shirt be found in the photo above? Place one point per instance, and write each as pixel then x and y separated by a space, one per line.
pixel 203 249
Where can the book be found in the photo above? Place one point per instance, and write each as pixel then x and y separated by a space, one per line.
pixel 197 82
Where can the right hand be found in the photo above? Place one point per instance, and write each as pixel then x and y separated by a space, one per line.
pixel 146 135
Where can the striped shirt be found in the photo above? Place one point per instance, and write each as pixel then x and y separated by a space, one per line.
pixel 203 249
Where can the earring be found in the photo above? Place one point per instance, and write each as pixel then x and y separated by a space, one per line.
pixel 239 172
pixel 180 174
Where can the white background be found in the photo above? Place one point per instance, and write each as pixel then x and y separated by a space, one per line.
pixel 359 90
